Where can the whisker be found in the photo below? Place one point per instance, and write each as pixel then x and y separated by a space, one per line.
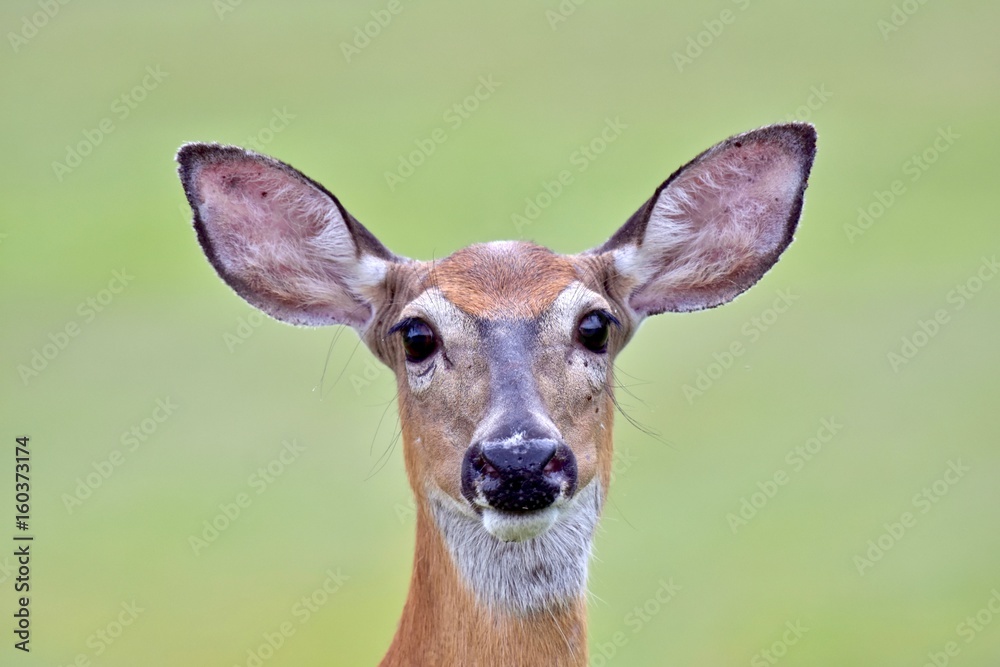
pixel 388 405
pixel 346 364
pixel 386 455
pixel 382 461
pixel 621 513
pixel 569 648
pixel 326 362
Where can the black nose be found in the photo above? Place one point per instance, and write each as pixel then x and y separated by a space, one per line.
pixel 518 475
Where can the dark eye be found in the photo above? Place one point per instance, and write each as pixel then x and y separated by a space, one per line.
pixel 594 329
pixel 419 341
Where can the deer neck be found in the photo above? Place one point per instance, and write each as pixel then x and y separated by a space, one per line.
pixel 476 601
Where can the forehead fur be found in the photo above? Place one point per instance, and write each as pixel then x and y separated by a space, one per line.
pixel 506 279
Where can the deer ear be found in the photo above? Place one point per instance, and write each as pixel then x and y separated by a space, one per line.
pixel 717 225
pixel 281 240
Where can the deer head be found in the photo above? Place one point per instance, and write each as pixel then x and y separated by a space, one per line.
pixel 503 356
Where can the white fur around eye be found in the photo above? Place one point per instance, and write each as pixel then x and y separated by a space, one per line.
pixel 419 376
pixel 452 326
pixel 572 304
pixel 558 326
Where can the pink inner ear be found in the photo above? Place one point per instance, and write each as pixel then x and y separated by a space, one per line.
pixel 278 239
pixel 254 206
pixel 738 204
pixel 720 224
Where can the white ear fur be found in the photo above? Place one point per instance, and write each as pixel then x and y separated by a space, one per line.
pixel 279 239
pixel 718 224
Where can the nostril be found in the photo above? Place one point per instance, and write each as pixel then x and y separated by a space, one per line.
pixel 554 466
pixel 482 465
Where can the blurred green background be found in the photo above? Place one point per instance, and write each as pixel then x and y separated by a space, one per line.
pixel 889 332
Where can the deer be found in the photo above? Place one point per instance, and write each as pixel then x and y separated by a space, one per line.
pixel 503 356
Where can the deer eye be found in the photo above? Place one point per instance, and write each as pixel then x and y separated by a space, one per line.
pixel 594 330
pixel 419 341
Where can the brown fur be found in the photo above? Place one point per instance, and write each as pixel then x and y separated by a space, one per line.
pixel 514 280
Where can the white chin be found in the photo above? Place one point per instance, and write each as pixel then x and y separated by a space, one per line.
pixel 508 527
